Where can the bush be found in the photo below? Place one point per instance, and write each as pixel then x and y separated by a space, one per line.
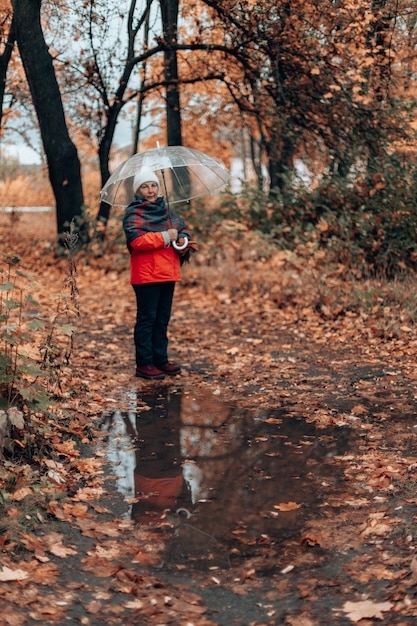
pixel 35 346
pixel 368 223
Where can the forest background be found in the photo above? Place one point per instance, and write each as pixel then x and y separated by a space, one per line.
pixel 316 100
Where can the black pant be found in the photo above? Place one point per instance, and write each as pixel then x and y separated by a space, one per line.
pixel 154 304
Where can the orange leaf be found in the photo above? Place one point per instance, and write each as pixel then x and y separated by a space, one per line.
pixel 21 493
pixel 287 506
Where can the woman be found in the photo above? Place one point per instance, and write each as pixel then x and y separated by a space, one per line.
pixel 155 267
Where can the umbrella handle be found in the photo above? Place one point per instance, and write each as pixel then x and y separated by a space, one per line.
pixel 183 246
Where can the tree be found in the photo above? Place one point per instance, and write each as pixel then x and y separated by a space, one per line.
pixel 62 158
pixel 112 104
pixel 7 32
pixel 303 75
pixel 169 11
pixel 108 78
pixel 142 93
pixel 301 78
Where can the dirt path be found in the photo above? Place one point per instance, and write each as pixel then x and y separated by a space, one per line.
pixel 352 560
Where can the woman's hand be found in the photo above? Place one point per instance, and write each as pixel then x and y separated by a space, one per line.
pixel 173 234
pixel 192 247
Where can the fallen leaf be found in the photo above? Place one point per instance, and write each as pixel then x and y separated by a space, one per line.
pixel 62 551
pixel 20 494
pixel 366 608
pixel 273 420
pixel 7 574
pixel 287 506
pixel 185 607
pixel 377 529
pixel 359 410
pixel 134 604
pixel 56 547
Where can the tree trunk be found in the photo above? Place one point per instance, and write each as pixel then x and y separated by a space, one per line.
pixel 280 163
pixel 141 95
pixel 4 64
pixel 169 12
pixel 103 153
pixel 61 154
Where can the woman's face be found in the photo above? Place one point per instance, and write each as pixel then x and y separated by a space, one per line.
pixel 149 190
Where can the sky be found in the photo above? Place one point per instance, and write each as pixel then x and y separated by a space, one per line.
pixel 27 156
pixel 23 153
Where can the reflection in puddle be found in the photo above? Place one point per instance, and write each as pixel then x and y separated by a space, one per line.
pixel 227 481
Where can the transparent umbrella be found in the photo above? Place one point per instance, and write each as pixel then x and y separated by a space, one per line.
pixel 184 172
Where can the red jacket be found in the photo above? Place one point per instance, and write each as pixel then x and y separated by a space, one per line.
pixel 152 262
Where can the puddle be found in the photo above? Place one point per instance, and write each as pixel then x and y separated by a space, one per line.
pixel 230 483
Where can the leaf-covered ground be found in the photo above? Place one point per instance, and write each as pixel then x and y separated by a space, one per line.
pixel 272 333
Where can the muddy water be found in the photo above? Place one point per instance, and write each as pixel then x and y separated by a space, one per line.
pixel 229 482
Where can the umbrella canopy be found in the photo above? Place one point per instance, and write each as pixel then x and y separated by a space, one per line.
pixel 184 174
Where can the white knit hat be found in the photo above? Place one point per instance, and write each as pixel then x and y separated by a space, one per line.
pixel 145 175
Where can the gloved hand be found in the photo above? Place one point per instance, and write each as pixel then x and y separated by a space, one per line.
pixel 192 247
